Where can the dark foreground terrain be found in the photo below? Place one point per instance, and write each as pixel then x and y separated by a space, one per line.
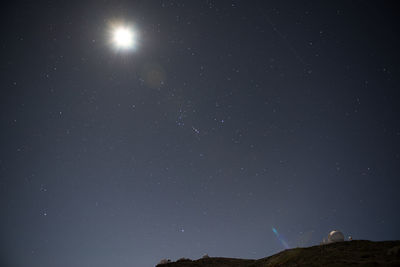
pixel 349 253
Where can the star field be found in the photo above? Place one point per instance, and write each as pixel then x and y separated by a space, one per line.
pixel 227 120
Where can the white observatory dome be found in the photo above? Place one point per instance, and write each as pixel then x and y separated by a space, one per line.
pixel 335 236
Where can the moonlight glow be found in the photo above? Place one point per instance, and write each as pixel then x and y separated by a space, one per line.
pixel 123 38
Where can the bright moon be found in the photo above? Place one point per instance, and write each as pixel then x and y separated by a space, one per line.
pixel 124 38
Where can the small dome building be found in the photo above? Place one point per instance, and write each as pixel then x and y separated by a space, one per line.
pixel 334 236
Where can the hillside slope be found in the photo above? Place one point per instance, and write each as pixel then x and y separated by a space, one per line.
pixel 352 253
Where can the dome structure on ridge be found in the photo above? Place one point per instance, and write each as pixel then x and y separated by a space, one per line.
pixel 335 236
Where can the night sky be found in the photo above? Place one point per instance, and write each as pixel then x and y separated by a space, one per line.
pixel 226 119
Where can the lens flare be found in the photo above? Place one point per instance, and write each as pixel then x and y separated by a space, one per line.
pixel 280 238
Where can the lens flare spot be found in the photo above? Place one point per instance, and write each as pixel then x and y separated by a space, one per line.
pixel 280 238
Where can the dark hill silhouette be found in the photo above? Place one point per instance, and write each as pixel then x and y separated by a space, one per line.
pixel 349 253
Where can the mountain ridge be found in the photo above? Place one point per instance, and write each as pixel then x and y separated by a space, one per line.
pixel 347 253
